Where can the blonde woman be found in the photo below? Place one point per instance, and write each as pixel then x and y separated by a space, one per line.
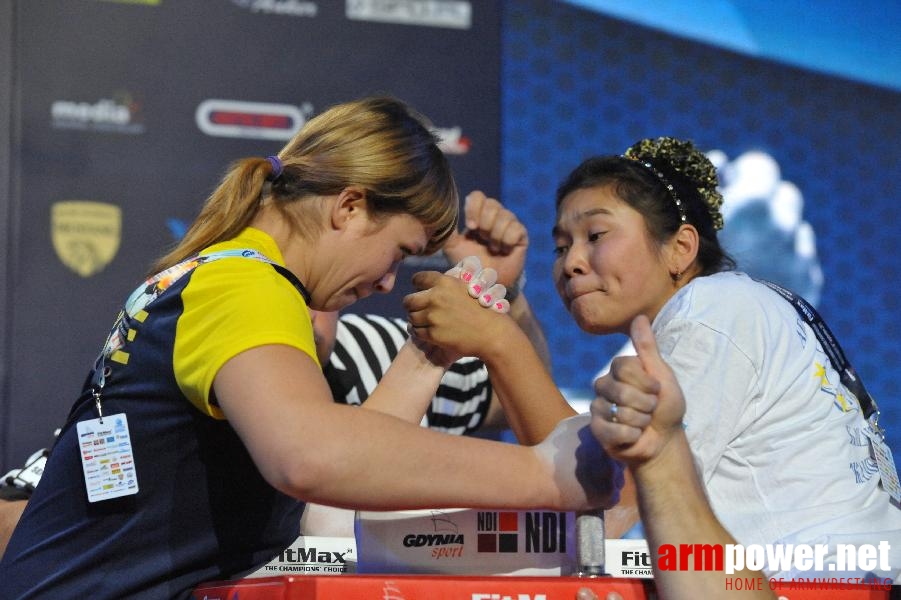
pixel 230 422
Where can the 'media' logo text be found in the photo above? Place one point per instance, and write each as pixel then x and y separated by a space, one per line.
pixel 545 532
pixel 120 114
pixel 253 120
pixel 85 234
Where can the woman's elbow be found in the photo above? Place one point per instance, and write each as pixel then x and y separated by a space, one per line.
pixel 304 475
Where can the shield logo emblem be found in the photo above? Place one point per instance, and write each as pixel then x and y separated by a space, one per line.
pixel 85 234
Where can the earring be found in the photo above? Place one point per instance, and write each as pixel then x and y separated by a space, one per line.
pixel 677 276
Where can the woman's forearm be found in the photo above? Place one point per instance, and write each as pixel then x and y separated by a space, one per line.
pixel 532 403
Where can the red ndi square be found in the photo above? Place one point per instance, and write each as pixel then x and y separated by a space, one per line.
pixel 507 521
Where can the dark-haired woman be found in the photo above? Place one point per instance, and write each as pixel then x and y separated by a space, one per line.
pixel 782 443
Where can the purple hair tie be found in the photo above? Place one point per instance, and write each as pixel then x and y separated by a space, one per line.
pixel 276 168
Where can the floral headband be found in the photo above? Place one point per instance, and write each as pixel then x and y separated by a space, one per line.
pixel 684 171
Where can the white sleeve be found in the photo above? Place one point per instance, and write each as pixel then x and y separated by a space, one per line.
pixel 719 382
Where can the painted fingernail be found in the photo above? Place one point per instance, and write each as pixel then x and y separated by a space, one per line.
pixel 476 288
pixel 466 276
pixel 485 300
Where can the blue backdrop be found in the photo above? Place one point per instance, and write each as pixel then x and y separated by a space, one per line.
pixel 577 83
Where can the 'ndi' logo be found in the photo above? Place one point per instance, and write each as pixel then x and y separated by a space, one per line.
pixel 545 532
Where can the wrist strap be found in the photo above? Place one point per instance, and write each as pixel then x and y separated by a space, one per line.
pixel 514 290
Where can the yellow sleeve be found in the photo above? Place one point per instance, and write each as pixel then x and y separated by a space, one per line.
pixel 232 305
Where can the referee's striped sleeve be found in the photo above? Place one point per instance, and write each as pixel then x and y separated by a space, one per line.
pixel 366 344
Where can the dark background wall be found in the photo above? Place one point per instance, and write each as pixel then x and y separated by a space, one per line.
pixel 6 44
pixel 530 88
pixel 124 115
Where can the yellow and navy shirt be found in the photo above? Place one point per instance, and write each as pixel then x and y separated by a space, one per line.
pixel 203 511
pixel 233 305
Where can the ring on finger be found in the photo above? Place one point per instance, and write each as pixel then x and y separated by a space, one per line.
pixel 614 410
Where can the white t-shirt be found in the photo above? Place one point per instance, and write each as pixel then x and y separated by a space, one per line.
pixel 778 439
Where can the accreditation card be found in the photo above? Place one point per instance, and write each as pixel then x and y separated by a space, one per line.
pixel 106 458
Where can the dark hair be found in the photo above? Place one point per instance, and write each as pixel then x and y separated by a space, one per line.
pixel 638 186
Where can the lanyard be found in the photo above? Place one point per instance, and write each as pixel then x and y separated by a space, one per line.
pixel 152 288
pixel 833 349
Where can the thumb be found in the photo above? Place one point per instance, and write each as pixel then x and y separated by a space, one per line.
pixel 670 408
pixel 424 280
pixel 646 346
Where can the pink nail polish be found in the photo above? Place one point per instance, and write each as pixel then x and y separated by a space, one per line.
pixel 466 276
pixel 487 299
pixel 477 289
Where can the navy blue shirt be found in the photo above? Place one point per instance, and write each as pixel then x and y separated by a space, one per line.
pixel 203 511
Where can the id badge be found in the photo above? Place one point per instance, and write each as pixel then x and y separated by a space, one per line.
pixel 882 454
pixel 106 458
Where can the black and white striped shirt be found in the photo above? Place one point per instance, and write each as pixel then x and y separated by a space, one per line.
pixel 364 348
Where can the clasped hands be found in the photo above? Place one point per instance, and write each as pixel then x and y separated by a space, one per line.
pixel 443 314
pixel 446 322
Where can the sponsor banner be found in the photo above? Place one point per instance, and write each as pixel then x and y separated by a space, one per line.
pixel 147 2
pixel 288 8
pixel 296 571
pixel 463 541
pixel 119 114
pixel 451 14
pixel 311 555
pixel 497 534
pixel 251 120
pixel 412 587
pixel 628 558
